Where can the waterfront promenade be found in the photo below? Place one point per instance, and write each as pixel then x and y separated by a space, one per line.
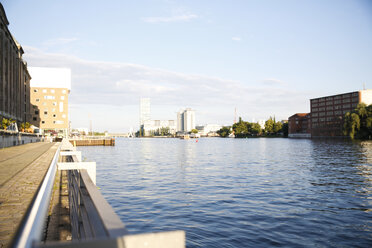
pixel 22 169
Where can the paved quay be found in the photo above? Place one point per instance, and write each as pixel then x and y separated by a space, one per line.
pixel 22 169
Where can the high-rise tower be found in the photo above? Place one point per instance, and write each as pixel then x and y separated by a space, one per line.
pixel 145 110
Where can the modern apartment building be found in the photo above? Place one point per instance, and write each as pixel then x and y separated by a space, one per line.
pixel 299 126
pixel 327 112
pixel 185 120
pixel 14 76
pixel 49 95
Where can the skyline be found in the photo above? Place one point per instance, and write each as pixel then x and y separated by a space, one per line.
pixel 264 58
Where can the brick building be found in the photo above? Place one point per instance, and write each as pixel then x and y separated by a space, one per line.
pixel 299 126
pixel 327 112
pixel 14 76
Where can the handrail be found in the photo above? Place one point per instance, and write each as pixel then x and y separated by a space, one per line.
pixel 32 225
pixel 90 214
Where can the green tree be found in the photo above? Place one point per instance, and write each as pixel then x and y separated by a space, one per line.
pixel 256 129
pixel 358 123
pixel 224 132
pixel 277 127
pixel 194 130
pixel 240 128
pixel 269 125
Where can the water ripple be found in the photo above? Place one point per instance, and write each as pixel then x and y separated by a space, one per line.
pixel 241 192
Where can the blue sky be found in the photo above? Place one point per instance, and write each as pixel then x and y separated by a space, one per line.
pixel 263 57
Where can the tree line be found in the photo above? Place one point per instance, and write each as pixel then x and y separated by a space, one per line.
pixel 244 129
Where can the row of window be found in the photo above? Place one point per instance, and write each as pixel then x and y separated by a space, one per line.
pixel 345 106
pixel 54 122
pixel 51 91
pixel 336 112
pixel 50 98
pixel 347 100
pixel 330 98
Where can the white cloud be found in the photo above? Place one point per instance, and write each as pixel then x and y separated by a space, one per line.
pixel 118 86
pixel 236 38
pixel 176 18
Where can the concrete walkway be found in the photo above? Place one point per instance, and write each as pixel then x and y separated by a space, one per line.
pixel 22 169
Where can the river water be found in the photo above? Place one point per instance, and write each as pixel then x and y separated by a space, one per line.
pixel 256 192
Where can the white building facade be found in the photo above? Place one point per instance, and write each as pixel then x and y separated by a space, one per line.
pixel 185 120
pixel 209 129
pixel 159 127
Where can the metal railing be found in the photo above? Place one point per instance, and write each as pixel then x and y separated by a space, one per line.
pixel 32 226
pixel 90 214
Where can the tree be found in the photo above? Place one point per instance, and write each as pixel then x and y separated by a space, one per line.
pixel 256 129
pixel 240 128
pixel 285 129
pixel 277 127
pixel 358 123
pixel 194 130
pixel 224 132
pixel 269 125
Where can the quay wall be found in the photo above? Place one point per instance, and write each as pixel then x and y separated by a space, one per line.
pixel 93 142
pixel 11 138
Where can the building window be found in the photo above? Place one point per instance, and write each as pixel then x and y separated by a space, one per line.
pixel 64 91
pixel 37 99
pixel 60 106
pixel 35 90
pixel 34 118
pixel 52 91
pixel 44 91
pixel 49 97
pixel 53 110
pixel 62 97
pixel 54 115
pixel 63 116
pixel 44 103
pixel 36 112
pixel 54 103
pixel 42 122
pixel 45 112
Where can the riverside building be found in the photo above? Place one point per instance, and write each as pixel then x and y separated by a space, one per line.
pixel 327 113
pixel 299 126
pixel 154 127
pixel 14 76
pixel 185 120
pixel 49 95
